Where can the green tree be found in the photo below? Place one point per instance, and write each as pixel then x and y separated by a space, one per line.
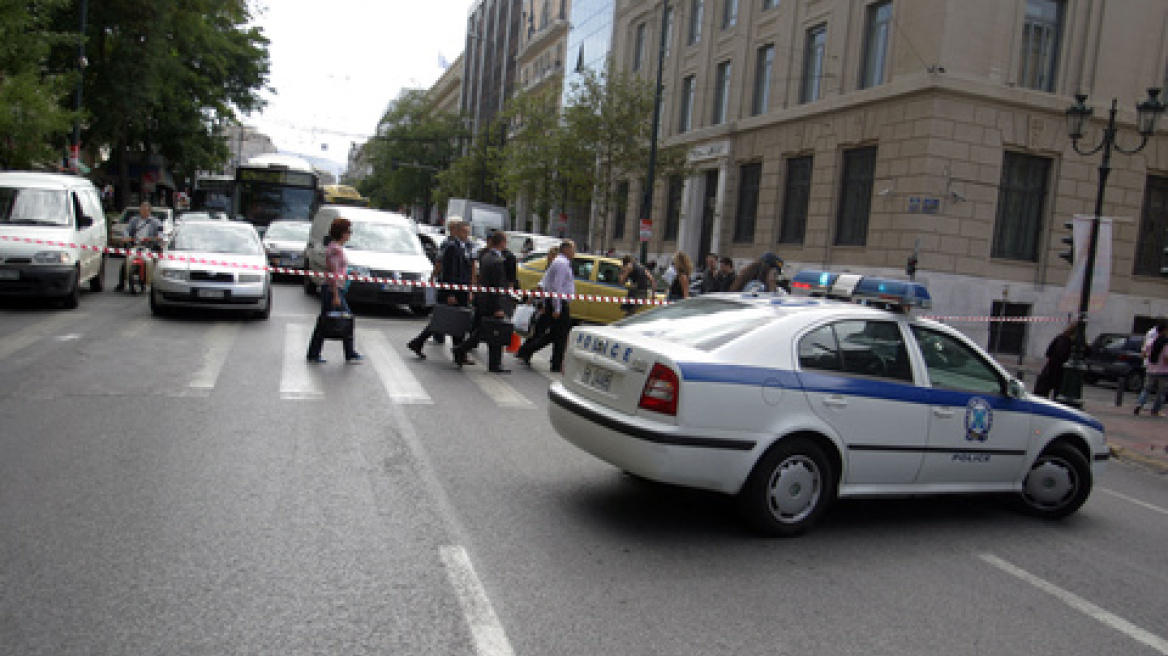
pixel 476 173
pixel 34 123
pixel 411 147
pixel 531 158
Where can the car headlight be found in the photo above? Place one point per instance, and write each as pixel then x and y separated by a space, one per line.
pixel 251 277
pixel 359 271
pixel 52 257
pixel 174 274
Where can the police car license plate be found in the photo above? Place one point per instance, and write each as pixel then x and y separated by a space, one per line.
pixel 9 274
pixel 210 293
pixel 597 378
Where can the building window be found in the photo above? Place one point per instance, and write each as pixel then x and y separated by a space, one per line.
pixel 668 29
pixel 762 80
pixel 876 37
pixel 813 58
pixel 1008 337
pixel 750 175
pixel 729 14
pixel 1021 198
pixel 1041 36
pixel 545 15
pixel 687 99
pixel 696 9
pixel 721 93
pixel 622 210
pixel 769 4
pixel 856 197
pixel 1153 227
pixel 639 47
pixel 796 200
pixel 673 207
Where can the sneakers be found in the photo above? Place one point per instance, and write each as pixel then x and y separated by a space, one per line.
pixel 316 360
pixel 356 358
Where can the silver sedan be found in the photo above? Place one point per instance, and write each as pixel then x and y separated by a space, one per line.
pixel 215 265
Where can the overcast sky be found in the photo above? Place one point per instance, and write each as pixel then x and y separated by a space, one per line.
pixel 336 64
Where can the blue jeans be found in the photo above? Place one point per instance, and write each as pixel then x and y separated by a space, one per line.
pixel 1156 382
pixel 326 305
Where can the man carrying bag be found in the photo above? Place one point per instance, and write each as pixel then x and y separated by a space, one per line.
pixel 490 308
pixel 457 268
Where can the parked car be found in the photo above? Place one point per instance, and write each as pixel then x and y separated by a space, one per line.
pixel 50 207
pixel 215 265
pixel 595 275
pixel 1116 357
pixel 285 242
pixel 383 245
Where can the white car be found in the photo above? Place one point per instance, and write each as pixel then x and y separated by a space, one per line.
pixel 213 264
pixel 285 242
pixel 790 402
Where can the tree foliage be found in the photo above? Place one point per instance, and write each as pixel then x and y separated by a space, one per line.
pixel 412 145
pixel 34 121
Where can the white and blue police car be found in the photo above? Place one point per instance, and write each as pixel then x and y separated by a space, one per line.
pixel 789 402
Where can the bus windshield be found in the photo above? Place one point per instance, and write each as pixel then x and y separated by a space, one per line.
pixel 261 204
pixel 212 193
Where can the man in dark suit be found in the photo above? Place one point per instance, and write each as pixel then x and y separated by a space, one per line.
pixel 492 275
pixel 455 267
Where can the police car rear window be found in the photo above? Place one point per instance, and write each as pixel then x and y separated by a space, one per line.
pixel 702 323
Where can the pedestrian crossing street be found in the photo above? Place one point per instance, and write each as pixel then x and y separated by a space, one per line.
pixel 211 358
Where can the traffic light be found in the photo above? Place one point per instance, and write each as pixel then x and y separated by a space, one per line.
pixel 1069 240
pixel 911 266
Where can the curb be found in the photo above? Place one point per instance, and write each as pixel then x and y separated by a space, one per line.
pixel 1124 453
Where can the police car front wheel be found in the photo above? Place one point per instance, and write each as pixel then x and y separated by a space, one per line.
pixel 789 489
pixel 1058 482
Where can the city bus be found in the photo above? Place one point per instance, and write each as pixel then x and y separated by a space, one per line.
pixel 344 195
pixel 212 193
pixel 275 187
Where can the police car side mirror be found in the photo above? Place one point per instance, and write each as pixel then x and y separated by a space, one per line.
pixel 1016 389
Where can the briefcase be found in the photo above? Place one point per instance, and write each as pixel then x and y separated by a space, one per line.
pixel 496 332
pixel 450 320
pixel 336 325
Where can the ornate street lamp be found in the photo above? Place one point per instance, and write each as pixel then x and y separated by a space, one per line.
pixel 1078 115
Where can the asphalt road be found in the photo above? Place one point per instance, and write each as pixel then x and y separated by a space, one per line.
pixel 190 485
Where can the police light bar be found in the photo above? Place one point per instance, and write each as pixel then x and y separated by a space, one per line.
pixel 816 283
pixel 898 292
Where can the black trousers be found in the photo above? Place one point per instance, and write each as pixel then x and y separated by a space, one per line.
pixel 556 335
pixel 316 342
pixel 494 351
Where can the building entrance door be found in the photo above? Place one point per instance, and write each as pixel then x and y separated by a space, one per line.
pixel 709 205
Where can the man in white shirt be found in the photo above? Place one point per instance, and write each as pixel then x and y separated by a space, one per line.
pixel 558 279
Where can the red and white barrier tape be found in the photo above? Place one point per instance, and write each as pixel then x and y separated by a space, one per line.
pixel 110 250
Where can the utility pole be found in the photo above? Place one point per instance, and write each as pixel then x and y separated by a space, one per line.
pixel 647 203
pixel 75 147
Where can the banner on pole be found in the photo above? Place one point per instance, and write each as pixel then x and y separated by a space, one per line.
pixel 1100 277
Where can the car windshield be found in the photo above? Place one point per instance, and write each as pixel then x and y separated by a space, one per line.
pixel 205 216
pixel 383 238
pixel 702 323
pixel 34 207
pixel 225 238
pixel 289 230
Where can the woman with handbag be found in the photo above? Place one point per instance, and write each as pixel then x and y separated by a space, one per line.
pixel 332 296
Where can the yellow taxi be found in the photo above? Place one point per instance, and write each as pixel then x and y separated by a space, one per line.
pixel 595 276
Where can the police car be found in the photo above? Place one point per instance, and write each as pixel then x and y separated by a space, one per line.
pixel 789 402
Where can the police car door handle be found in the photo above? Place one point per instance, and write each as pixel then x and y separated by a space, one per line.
pixel 835 402
pixel 945 412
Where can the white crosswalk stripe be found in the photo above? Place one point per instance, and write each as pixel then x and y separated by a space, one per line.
pixel 400 384
pixel 219 342
pixel 499 391
pixel 297 379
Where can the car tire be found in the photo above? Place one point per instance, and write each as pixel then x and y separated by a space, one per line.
pixel 1058 482
pixel 266 312
pixel 1133 381
pixel 97 283
pixel 1090 379
pixel 73 297
pixel 157 309
pixel 421 310
pixel 789 488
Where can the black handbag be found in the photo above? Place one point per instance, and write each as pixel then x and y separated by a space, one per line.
pixel 450 320
pixel 496 332
pixel 335 325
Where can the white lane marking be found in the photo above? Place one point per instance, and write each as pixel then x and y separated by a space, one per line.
pixel 1082 605
pixel 297 380
pixel 500 392
pixel 490 639
pixel 400 384
pixel 219 342
pixel 25 338
pixel 1142 504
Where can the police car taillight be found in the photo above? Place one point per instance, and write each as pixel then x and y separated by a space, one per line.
pixel 660 393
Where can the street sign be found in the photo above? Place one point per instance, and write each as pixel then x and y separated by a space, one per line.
pixel 646 229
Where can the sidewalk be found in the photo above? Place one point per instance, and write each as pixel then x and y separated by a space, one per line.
pixel 1142 439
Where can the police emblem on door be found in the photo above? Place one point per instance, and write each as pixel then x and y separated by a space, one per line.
pixel 979 418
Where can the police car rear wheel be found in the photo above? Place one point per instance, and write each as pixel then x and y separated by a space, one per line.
pixel 789 488
pixel 1058 483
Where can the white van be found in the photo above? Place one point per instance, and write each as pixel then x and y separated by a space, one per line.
pixel 383 245
pixel 64 210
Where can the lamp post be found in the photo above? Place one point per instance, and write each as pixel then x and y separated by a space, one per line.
pixel 647 198
pixel 1078 115
pixel 75 147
